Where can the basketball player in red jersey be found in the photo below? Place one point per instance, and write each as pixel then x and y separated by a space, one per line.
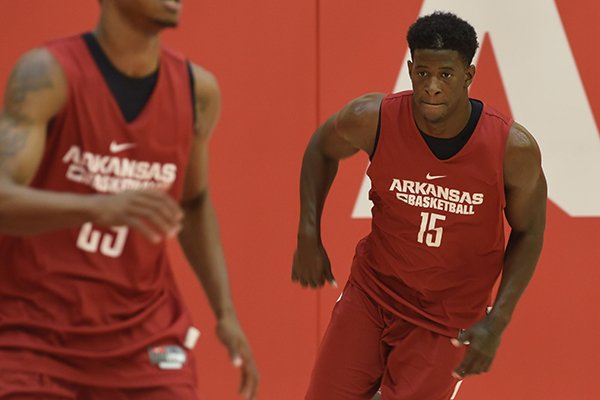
pixel 103 155
pixel 444 168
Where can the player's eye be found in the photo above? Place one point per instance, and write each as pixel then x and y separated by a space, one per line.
pixel 422 74
pixel 446 75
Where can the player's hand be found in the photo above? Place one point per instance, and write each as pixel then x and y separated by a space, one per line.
pixel 482 341
pixel 151 212
pixel 311 266
pixel 231 335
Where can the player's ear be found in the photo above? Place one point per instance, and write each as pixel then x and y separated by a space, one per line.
pixel 410 67
pixel 469 75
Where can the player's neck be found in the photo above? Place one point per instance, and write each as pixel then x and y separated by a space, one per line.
pixel 448 127
pixel 131 50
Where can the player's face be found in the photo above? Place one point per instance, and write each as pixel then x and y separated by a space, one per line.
pixel 440 80
pixel 159 13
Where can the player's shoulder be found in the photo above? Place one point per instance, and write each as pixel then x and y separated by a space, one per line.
pixel 203 76
pixel 38 68
pixel 522 156
pixel 521 140
pixel 40 59
pixel 68 52
pixel 173 54
pixel 207 99
pixel 37 86
pixel 205 82
pixel 360 110
pixel 67 42
pixel 397 100
pixel 493 114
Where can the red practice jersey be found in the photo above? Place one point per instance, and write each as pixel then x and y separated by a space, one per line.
pixel 437 242
pixel 85 304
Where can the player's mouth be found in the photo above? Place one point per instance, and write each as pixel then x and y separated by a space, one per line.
pixel 431 104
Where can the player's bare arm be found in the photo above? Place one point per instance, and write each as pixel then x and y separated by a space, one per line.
pixel 36 91
pixel 345 133
pixel 200 238
pixel 526 195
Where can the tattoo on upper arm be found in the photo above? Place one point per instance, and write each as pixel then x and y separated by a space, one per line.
pixel 30 76
pixel 12 136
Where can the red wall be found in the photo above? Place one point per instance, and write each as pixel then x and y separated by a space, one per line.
pixel 284 66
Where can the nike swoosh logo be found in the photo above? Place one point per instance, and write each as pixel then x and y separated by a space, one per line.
pixel 119 147
pixel 430 177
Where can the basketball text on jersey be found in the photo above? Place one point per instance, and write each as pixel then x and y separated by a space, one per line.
pixel 112 174
pixel 429 195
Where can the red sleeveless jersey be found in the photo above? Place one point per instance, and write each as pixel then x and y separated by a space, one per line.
pixel 437 240
pixel 85 304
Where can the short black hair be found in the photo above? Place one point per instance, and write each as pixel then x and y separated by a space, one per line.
pixel 443 31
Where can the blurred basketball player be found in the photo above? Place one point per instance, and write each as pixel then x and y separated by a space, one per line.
pixel 103 156
pixel 444 169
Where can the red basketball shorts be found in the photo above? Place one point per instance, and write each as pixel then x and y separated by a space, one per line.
pixel 366 348
pixel 15 385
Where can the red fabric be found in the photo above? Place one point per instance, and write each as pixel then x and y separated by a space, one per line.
pixel 366 347
pixel 34 386
pixel 437 239
pixel 85 305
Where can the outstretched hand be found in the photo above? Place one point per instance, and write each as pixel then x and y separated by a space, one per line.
pixel 311 266
pixel 482 341
pixel 231 335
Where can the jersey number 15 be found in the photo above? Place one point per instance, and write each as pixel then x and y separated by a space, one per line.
pixel 429 233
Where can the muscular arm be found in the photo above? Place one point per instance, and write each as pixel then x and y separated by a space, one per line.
pixel 199 237
pixel 526 195
pixel 525 188
pixel 36 91
pixel 350 130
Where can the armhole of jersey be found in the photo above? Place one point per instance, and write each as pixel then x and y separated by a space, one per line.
pixel 376 133
pixel 192 93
